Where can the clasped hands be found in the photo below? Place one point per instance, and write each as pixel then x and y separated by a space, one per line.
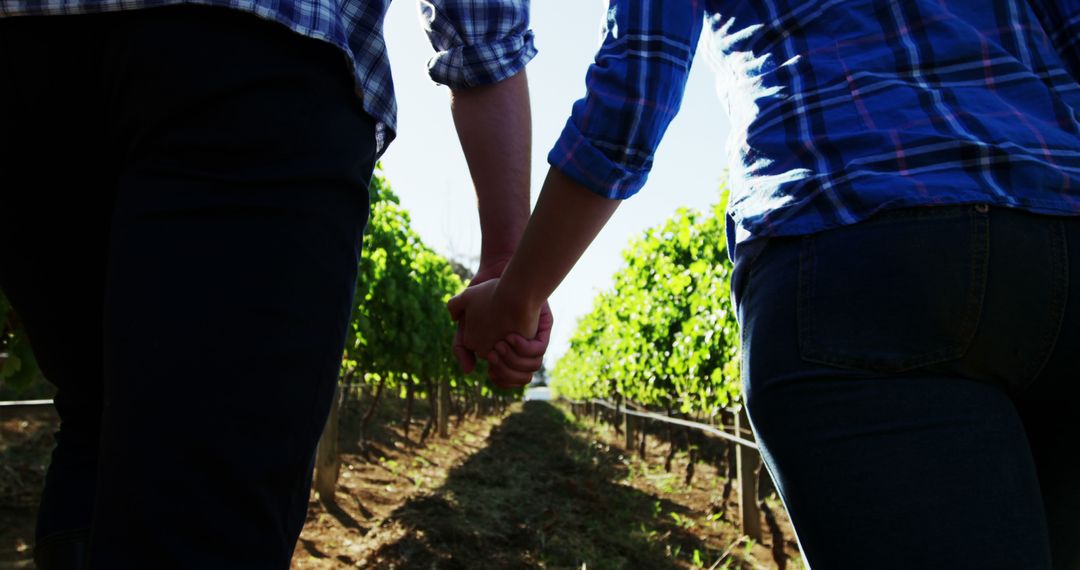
pixel 497 327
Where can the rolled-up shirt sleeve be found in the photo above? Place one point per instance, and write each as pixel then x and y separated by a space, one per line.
pixel 477 42
pixel 634 89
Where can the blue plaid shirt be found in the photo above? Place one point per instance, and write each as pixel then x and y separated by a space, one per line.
pixel 477 42
pixel 843 108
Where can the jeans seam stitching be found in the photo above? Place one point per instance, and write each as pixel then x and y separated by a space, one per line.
pixel 805 292
pixel 80 532
pixel 980 265
pixel 1058 300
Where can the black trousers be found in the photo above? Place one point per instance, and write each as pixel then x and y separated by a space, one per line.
pixel 183 193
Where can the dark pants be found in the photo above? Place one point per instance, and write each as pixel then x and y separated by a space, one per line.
pixel 914 381
pixel 182 197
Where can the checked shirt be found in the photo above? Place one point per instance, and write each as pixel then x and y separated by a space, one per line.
pixel 843 108
pixel 477 42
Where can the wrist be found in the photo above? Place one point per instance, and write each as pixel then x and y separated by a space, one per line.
pixel 491 266
pixel 516 303
pixel 498 245
pixel 497 260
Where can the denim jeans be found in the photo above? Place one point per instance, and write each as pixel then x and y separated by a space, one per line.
pixel 914 383
pixel 183 193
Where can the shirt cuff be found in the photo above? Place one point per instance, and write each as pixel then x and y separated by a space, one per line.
pixel 485 63
pixel 575 156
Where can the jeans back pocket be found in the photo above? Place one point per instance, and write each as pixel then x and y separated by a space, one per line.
pixel 901 290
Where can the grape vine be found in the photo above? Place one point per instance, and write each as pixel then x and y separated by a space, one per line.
pixel 665 335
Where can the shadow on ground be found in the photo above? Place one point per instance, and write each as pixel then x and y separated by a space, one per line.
pixel 539 494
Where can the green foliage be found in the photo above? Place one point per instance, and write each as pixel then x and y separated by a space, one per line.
pixel 665 335
pixel 401 332
pixel 18 367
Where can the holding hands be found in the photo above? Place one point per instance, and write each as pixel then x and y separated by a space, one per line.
pixel 502 310
pixel 495 129
pixel 503 316
pixel 513 339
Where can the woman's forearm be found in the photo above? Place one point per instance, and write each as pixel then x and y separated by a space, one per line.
pixel 566 220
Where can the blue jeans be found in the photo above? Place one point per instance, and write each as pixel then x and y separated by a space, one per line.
pixel 914 383
pixel 183 193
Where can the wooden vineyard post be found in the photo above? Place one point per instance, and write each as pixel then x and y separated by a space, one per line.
pixel 443 422
pixel 628 429
pixel 328 462
pixel 748 462
pixel 621 421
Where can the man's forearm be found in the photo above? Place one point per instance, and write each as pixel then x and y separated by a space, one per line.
pixel 568 217
pixel 494 125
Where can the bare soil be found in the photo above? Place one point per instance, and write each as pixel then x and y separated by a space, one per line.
pixel 533 488
pixel 536 489
pixel 26 441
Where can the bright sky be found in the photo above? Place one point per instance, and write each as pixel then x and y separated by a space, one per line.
pixel 427 170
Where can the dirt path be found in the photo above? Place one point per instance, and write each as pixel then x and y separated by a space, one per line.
pixel 535 488
pixel 25 444
pixel 538 490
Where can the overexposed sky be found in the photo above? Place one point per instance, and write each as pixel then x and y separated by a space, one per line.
pixel 427 170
